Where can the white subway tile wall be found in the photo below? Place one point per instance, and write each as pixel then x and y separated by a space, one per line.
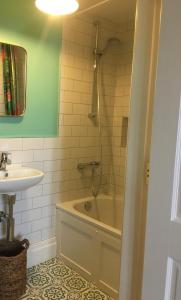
pixel 79 138
pixel 35 208
pixel 122 105
pixel 76 97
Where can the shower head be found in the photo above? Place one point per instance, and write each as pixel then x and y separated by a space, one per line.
pixel 113 41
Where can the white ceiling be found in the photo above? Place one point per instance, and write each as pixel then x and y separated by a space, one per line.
pixel 113 10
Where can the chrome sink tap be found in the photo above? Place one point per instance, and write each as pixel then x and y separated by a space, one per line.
pixel 4 161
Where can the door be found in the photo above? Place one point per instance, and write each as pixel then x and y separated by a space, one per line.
pixel 162 264
pixel 140 123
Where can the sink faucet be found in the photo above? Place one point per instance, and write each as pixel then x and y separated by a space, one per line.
pixel 4 161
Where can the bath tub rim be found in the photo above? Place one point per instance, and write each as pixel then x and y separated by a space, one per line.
pixel 69 207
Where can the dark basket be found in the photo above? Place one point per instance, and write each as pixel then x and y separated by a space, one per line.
pixel 13 274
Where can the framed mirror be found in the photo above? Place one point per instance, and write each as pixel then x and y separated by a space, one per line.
pixel 13 65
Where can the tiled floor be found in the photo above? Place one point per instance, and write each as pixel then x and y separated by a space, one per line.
pixel 53 280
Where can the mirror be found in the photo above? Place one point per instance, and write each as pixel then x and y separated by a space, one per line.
pixel 12 80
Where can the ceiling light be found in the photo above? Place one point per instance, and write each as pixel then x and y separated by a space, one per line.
pixel 57 7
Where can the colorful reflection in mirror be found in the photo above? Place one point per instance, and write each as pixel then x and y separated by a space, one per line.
pixel 12 80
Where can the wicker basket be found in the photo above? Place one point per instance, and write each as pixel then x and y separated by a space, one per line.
pixel 13 275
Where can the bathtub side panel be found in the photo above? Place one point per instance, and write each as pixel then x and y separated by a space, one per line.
pixel 89 250
pixel 109 265
pixel 75 243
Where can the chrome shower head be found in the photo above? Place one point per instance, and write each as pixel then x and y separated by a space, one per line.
pixel 113 41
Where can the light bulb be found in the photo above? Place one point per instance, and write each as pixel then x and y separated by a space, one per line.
pixel 57 7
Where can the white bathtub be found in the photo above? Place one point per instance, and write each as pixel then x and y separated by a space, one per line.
pixel 89 239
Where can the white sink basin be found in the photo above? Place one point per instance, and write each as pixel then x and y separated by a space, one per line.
pixel 19 179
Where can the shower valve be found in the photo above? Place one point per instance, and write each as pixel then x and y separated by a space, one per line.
pixel 92 164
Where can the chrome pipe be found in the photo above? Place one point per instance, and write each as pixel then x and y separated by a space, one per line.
pixel 10 220
pixel 95 91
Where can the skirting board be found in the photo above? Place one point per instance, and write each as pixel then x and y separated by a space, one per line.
pixel 42 251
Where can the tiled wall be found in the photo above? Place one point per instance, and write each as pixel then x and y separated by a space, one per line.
pixel 35 208
pixel 76 97
pixel 122 105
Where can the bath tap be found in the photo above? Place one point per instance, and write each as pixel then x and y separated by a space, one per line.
pixel 4 161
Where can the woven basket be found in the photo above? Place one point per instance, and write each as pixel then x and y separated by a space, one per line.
pixel 13 274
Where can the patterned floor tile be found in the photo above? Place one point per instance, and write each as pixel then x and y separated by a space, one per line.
pixel 76 283
pixel 94 294
pixel 60 270
pixel 54 293
pixel 53 280
pixel 39 280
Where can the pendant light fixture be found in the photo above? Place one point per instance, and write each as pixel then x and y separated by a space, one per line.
pixel 57 7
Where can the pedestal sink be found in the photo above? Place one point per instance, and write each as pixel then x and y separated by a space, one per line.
pixel 18 178
pixel 14 179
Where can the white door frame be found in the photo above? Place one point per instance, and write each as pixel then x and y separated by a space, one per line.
pixel 163 238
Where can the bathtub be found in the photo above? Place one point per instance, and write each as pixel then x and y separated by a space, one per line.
pixel 89 239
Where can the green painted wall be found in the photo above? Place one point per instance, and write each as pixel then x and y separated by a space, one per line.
pixel 22 24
